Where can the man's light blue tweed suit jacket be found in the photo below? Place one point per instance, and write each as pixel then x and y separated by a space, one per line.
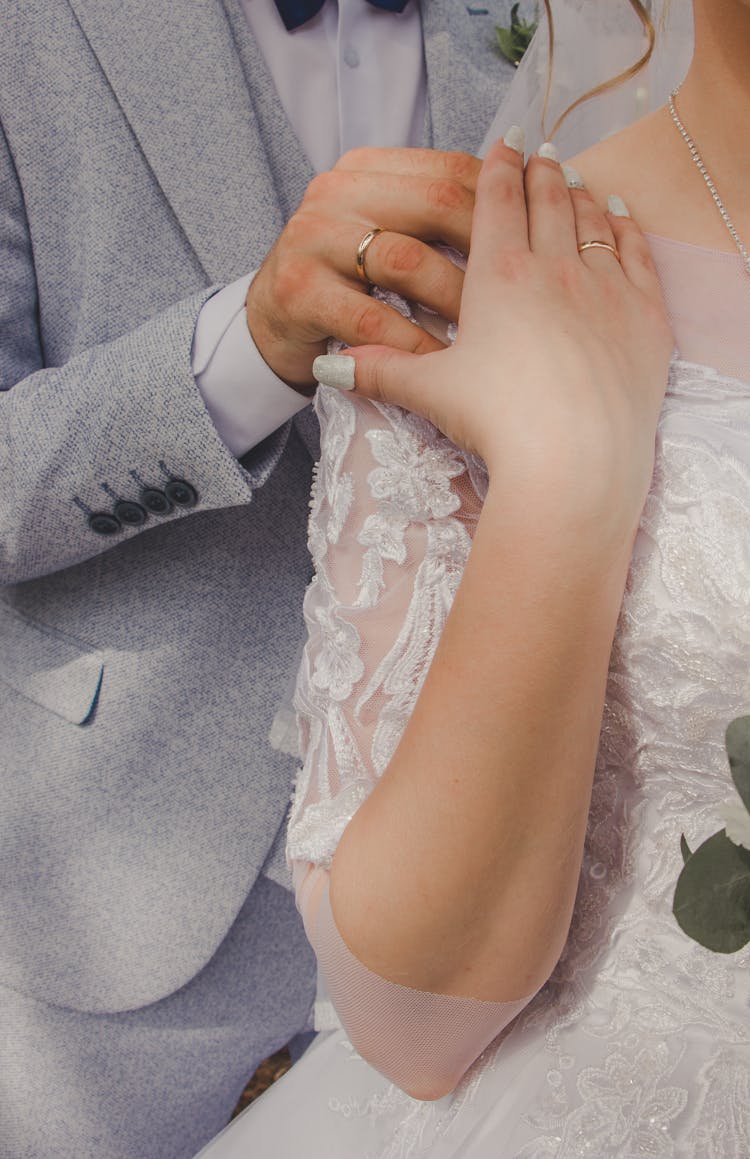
pixel 144 159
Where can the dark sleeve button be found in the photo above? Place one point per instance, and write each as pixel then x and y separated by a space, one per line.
pixel 129 513
pixel 181 493
pixel 103 523
pixel 155 501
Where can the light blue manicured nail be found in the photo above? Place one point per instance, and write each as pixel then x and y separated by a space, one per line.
pixel 617 206
pixel 335 370
pixel 573 178
pixel 549 151
pixel 515 139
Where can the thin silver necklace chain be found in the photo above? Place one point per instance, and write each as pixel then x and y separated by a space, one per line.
pixel 701 165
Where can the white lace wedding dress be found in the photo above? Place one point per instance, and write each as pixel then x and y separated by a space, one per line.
pixel 639 1045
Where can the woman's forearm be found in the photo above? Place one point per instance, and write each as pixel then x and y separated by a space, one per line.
pixel 458 874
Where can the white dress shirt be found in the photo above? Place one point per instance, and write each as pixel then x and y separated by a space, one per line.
pixel 353 75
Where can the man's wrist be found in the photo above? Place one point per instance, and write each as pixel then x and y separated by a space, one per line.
pixel 246 400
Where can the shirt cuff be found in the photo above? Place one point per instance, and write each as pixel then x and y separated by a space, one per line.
pixel 243 396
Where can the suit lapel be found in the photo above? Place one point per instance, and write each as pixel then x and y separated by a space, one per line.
pixel 466 75
pixel 289 165
pixel 175 73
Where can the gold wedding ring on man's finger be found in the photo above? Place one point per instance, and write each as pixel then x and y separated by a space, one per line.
pixel 362 249
pixel 598 245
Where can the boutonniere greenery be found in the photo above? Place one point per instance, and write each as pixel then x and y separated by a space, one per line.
pixel 712 898
pixel 514 41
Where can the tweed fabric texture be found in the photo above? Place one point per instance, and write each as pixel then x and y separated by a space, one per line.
pixel 132 839
pixel 139 674
pixel 123 1085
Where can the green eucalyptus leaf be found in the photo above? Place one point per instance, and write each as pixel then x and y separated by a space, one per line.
pixel 505 40
pixel 514 41
pixel 528 34
pixel 712 898
pixel 684 848
pixel 738 750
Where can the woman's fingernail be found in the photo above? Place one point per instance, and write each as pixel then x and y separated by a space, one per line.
pixel 617 206
pixel 549 151
pixel 335 370
pixel 515 139
pixel 573 178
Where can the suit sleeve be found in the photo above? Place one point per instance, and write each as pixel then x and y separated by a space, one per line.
pixel 113 442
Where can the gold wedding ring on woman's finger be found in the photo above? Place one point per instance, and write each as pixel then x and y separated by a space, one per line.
pixel 362 249
pixel 598 245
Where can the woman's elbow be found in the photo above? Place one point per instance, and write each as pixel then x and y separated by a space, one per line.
pixel 424 1082
pixel 429 1088
pixel 426 1073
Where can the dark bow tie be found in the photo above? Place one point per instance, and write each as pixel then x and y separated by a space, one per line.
pixel 297 12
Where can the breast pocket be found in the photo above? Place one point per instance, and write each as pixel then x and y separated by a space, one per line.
pixel 49 668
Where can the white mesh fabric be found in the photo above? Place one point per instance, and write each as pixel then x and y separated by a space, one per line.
pixel 707 293
pixel 422 1042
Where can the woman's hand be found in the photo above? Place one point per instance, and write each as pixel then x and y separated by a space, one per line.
pixel 560 363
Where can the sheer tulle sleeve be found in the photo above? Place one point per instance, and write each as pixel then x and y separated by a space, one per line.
pixel 393 510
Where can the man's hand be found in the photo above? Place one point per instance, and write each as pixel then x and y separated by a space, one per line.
pixel 308 289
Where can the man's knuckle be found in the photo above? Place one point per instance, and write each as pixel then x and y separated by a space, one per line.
pixel 463 168
pixel 404 255
pixel 297 231
pixel 443 287
pixel 447 195
pixel 286 285
pixel 361 157
pixel 368 323
pixel 295 283
pixel 323 187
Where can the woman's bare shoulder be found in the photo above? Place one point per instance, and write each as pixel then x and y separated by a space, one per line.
pixel 649 166
pixel 637 164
